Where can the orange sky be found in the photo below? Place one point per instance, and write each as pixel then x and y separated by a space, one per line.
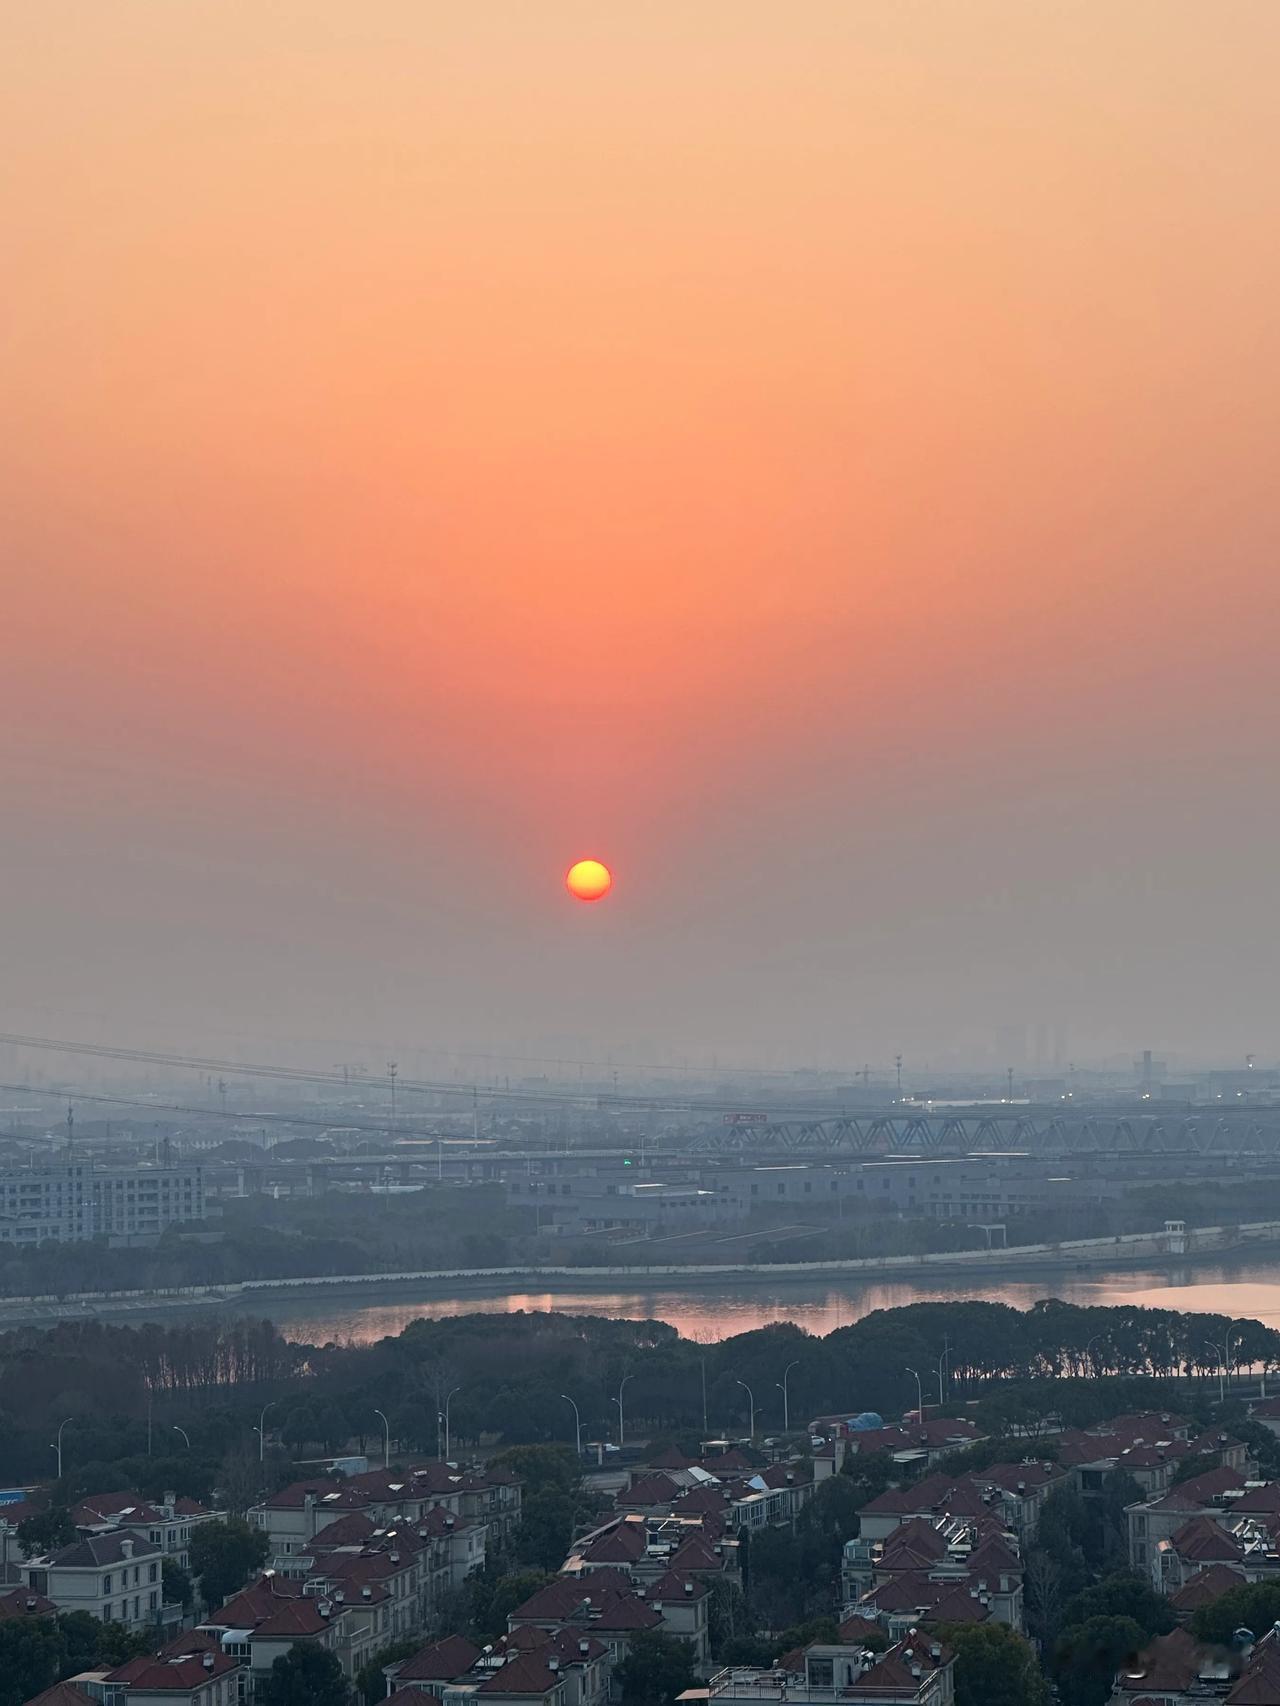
pixel 819 457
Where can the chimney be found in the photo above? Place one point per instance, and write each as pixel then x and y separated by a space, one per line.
pixel 126 1548
pixel 366 1593
pixel 584 1646
pixel 553 1665
pixel 207 1661
pixel 688 1590
pixel 325 1608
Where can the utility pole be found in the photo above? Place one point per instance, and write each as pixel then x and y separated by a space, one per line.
pixel 703 1365
pixel 386 1439
pixel 1008 1072
pixel 897 1063
pixel 392 1070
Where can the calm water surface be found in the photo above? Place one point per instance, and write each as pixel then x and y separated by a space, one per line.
pixel 707 1313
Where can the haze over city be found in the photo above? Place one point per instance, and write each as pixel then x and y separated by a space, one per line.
pixel 818 460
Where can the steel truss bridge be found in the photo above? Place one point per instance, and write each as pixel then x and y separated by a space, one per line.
pixel 1040 1131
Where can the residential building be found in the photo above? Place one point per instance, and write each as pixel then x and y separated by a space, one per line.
pixel 114 1576
pixel 192 1670
pixel 167 1525
pixel 916 1671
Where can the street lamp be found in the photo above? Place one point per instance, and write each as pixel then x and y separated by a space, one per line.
pixel 750 1400
pixel 1220 1354
pixel 386 1439
pixel 622 1431
pixel 786 1401
pixel 919 1395
pixel 577 1424
pixel 186 1438
pixel 58 1446
pixel 447 1402
pixel 1092 1342
pixel 261 1431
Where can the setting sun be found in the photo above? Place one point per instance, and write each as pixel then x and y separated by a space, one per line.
pixel 588 879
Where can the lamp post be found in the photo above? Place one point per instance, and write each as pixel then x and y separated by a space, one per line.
pixel 386 1439
pixel 622 1431
pixel 58 1446
pixel 1092 1342
pixel 577 1424
pixel 261 1431
pixel 752 1402
pixel 919 1394
pixel 786 1400
pixel 448 1400
pixel 186 1438
pixel 1219 1352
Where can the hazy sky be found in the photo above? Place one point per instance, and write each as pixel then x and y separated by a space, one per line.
pixel 817 455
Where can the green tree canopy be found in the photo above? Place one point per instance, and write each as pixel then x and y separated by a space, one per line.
pixel 1088 1655
pixel 371 1685
pixel 47 1531
pixel 656 1669
pixel 546 1528
pixel 224 1555
pixel 1253 1605
pixel 32 1654
pixel 178 1586
pixel 304 1676
pixel 994 1666
pixel 1124 1594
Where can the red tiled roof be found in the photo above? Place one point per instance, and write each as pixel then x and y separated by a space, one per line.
pixel 622 1544
pixel 648 1490
pixel 697 1554
pixel 1259 1501
pixel 1170 1664
pixel 346 1531
pixel 1204 1541
pixel 327 1494
pixel 62 1694
pixel 294 1618
pixel 857 1629
pixel 442 1661
pixel 169 1675
pixel 893 1670
pixel 673 1587
pixel 1206 1586
pixel 1200 1491
pixel 526 1674
pixel 22 1602
pixel 1260 1683
pixel 626 1611
pixel 246 1609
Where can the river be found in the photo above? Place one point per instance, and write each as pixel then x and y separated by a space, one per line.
pixel 717 1312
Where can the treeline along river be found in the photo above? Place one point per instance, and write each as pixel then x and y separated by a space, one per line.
pixel 714 1311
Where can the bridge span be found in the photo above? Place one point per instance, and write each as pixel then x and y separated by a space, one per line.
pixel 1018 1128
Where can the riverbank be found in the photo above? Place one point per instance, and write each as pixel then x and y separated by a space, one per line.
pixel 1131 1251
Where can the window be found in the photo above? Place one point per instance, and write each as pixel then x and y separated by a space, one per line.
pixel 153 1572
pixel 106 1584
pixel 152 1601
pixel 106 1612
